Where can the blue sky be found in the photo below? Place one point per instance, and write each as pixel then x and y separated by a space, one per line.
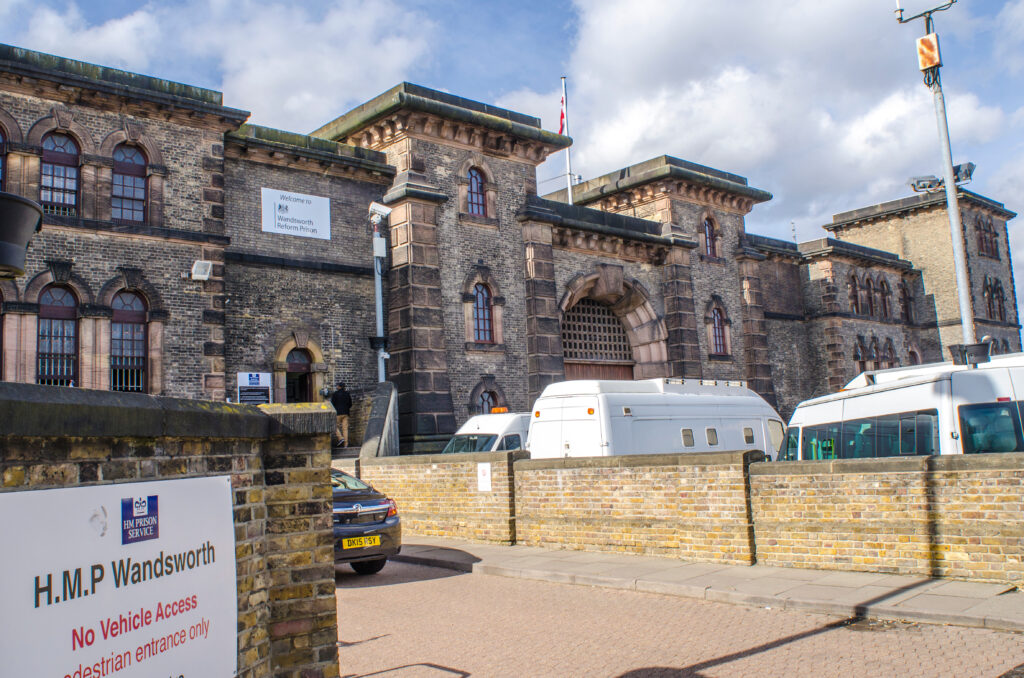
pixel 820 103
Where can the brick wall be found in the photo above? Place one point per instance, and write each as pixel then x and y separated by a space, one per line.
pixel 439 494
pixel 953 516
pixel 278 461
pixel 691 506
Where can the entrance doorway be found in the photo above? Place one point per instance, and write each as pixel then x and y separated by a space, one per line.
pixel 299 378
pixel 594 343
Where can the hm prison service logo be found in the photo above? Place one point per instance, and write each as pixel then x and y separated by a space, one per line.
pixel 139 519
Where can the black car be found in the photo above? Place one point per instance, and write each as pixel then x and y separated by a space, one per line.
pixel 366 526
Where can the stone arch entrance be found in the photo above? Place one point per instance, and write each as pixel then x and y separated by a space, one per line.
pixel 299 370
pixel 594 345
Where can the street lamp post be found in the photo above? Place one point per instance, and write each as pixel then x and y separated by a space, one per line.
pixel 930 61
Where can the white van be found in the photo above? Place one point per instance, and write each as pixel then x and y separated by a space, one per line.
pixel 490 433
pixel 652 416
pixel 938 408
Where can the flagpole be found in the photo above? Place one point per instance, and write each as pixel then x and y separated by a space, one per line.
pixel 568 161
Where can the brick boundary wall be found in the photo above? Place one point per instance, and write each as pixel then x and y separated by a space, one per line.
pixel 278 460
pixel 437 494
pixel 956 516
pixel 691 506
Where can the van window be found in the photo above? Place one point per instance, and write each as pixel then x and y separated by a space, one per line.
pixel 712 435
pixel 776 434
pixel 792 443
pixel 820 442
pixel 748 435
pixel 885 436
pixel 470 442
pixel 991 427
pixel 687 437
pixel 511 442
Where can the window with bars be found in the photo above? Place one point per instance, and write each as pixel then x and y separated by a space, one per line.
pixel 476 200
pixel 128 190
pixel 719 344
pixel 57 340
pixel 128 343
pixel 486 402
pixel 710 239
pixel 592 333
pixel 58 190
pixel 483 314
pixel 988 241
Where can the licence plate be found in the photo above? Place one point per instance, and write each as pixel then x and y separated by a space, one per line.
pixel 360 542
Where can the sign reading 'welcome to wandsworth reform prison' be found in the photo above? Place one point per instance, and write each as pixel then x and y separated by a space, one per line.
pixel 119 581
pixel 308 216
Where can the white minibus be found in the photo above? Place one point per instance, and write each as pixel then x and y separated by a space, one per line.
pixel 652 416
pixel 938 408
pixel 490 433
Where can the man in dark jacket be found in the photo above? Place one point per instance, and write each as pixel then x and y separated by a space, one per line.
pixel 342 402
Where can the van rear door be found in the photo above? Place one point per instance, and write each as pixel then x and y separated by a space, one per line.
pixel 581 428
pixel 545 432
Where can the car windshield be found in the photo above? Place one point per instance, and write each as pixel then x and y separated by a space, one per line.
pixel 344 481
pixel 470 442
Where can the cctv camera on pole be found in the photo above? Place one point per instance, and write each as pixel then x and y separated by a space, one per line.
pixel 377 214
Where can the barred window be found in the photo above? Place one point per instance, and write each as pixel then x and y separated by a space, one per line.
pixel 476 199
pixel 591 332
pixel 59 182
pixel 483 315
pixel 988 241
pixel 718 332
pixel 128 343
pixel 710 239
pixel 128 190
pixel 486 402
pixel 57 338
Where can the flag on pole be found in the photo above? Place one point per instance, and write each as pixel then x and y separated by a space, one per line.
pixel 561 119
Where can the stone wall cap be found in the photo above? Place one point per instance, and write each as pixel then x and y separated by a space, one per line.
pixel 300 418
pixel 728 458
pixel 912 203
pixel 460 458
pixel 51 411
pixel 311 147
pixel 1007 461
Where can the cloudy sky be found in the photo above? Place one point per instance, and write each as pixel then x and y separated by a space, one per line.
pixel 820 103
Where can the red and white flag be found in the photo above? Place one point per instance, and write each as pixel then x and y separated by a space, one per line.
pixel 561 119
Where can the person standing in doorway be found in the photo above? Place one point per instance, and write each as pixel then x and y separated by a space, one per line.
pixel 342 402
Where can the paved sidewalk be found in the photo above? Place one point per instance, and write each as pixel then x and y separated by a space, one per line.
pixel 845 594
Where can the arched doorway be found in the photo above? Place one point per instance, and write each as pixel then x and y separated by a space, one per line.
pixel 594 343
pixel 299 377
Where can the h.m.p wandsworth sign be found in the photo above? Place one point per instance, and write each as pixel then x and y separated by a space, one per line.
pixel 120 581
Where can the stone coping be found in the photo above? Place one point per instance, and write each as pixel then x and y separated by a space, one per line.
pixel 425 100
pixel 30 410
pixel 460 458
pixel 636 460
pixel 1007 461
pixel 313 148
pixel 914 202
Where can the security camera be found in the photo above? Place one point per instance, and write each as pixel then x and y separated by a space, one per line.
pixel 376 209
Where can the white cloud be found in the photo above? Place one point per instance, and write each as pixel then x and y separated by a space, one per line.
pixel 1009 39
pixel 126 42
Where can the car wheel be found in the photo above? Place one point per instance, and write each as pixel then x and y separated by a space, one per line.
pixel 369 566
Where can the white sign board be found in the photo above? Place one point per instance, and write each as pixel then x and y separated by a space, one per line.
pixel 124 581
pixel 254 388
pixel 483 476
pixel 308 216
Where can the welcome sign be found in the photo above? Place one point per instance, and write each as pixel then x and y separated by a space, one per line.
pixel 120 581
pixel 307 216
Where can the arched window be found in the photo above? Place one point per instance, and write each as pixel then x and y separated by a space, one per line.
pixel 869 293
pixel 128 342
pixel 483 315
pixel 1000 301
pixel 988 241
pixel 859 358
pixel 476 199
pixel 59 184
pixel 710 239
pixel 3 158
pixel 886 298
pixel 906 304
pixel 299 378
pixel 854 295
pixel 128 190
pixel 486 401
pixel 873 354
pixel 889 355
pixel 1006 346
pixel 57 338
pixel 913 358
pixel 719 344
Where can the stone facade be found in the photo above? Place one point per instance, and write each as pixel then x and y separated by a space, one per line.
pixel 651 265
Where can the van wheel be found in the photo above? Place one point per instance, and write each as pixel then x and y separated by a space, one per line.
pixel 369 566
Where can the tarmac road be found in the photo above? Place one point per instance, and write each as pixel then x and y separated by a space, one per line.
pixel 412 621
